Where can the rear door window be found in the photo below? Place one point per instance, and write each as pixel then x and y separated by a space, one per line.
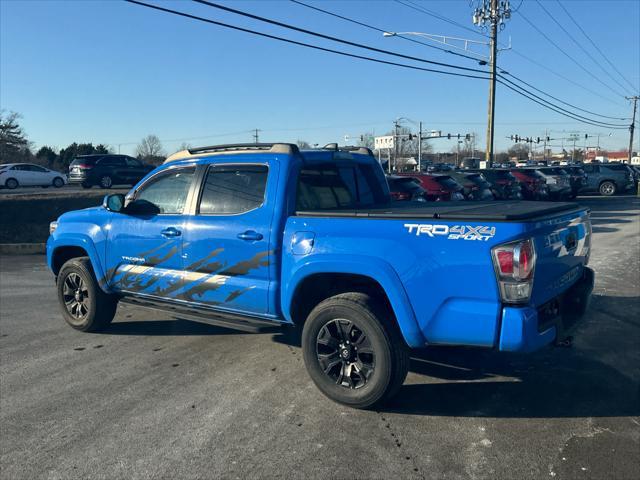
pixel 233 189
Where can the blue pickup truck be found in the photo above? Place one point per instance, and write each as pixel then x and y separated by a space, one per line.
pixel 267 234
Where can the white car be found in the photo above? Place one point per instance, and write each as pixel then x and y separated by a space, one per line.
pixel 14 175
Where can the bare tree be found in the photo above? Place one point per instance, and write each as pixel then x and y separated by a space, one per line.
pixel 150 149
pixel 520 151
pixel 14 146
pixel 303 144
pixel 367 140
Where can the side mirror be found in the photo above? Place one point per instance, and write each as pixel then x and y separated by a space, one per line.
pixel 114 202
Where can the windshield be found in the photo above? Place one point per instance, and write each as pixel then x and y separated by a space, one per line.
pixel 409 185
pixel 84 161
pixel 448 182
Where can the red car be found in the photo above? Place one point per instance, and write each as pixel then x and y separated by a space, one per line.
pixel 438 187
pixel 534 186
pixel 405 189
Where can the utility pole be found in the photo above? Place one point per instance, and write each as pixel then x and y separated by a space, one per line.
pixel 633 124
pixel 494 13
pixel 255 135
pixel 396 136
pixel 420 148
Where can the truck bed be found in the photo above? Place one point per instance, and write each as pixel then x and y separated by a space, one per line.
pixel 506 211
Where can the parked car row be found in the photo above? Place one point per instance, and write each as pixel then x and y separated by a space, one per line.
pixel 529 183
pixel 87 170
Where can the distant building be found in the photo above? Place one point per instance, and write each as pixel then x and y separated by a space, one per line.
pixel 605 157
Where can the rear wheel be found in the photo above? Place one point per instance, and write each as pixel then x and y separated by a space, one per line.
pixel 86 185
pixel 58 182
pixel 106 181
pixel 84 305
pixel 11 183
pixel 353 355
pixel 607 188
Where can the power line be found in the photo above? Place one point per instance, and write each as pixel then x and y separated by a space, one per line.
pixel 579 45
pixel 452 22
pixel 334 39
pixel 302 44
pixel 376 60
pixel 506 73
pixel 431 13
pixel 587 71
pixel 634 88
pixel 380 30
pixel 558 100
pixel 541 65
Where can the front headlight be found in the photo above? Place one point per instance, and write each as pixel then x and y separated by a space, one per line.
pixel 52 227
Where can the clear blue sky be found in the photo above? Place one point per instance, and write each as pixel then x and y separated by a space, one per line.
pixel 112 72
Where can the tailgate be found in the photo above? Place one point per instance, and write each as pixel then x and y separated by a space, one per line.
pixel 563 245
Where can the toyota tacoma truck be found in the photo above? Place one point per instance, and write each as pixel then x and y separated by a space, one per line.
pixel 265 234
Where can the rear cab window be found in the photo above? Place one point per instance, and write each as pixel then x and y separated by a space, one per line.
pixel 335 185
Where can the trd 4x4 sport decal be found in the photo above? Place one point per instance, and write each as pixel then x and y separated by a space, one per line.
pixel 454 232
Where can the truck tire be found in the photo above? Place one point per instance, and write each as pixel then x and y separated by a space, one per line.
pixel 352 353
pixel 85 306
pixel 607 188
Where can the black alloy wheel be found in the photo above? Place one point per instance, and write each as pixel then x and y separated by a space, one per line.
pixel 76 296
pixel 106 181
pixel 345 353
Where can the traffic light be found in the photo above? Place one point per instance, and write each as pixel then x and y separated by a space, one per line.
pixel 538 140
pixel 410 136
pixel 362 138
pixel 467 137
pixel 458 136
pixel 448 136
pixel 517 139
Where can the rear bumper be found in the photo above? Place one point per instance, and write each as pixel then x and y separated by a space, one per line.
pixel 525 329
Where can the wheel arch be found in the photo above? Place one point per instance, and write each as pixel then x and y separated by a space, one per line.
pixel 67 247
pixel 320 279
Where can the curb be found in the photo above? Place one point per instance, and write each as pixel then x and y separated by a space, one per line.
pixel 23 248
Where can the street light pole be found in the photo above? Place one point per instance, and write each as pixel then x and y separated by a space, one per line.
pixel 492 83
pixel 633 124
pixel 420 148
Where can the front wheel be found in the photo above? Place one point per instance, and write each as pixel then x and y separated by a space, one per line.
pixel 58 182
pixel 352 353
pixel 11 184
pixel 607 188
pixel 84 305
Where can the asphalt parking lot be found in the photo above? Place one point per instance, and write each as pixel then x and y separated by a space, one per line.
pixel 154 397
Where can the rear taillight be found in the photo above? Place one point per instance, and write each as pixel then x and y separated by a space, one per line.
pixel 514 264
pixel 86 166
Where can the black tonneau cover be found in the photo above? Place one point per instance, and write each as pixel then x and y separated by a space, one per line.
pixel 473 211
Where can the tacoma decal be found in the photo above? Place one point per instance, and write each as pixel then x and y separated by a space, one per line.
pixel 454 232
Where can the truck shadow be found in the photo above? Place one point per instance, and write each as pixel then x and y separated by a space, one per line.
pixel 597 378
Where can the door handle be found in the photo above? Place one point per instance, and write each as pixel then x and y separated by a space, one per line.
pixel 250 235
pixel 171 232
